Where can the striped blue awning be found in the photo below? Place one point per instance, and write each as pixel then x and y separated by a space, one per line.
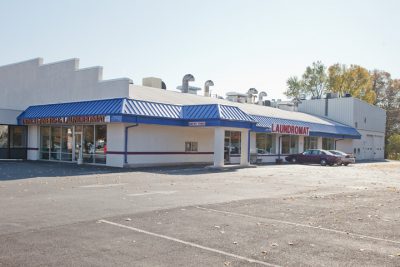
pixel 330 129
pixel 138 108
pixel 131 110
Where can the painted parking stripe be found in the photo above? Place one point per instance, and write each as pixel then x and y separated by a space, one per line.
pixel 152 193
pixel 101 185
pixel 301 225
pixel 191 244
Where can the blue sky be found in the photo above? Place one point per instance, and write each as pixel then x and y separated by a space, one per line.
pixel 237 44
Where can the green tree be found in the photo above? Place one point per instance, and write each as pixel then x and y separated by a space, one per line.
pixel 337 79
pixel 381 81
pixel 355 80
pixel 393 146
pixel 315 80
pixel 313 83
pixel 294 88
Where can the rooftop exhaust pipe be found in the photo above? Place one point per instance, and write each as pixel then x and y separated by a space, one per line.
pixel 251 95
pixel 261 95
pixel 207 85
pixel 185 82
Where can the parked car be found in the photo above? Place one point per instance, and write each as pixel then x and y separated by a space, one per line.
pixel 318 156
pixel 345 158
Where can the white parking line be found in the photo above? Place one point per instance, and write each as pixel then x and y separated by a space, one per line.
pixel 152 193
pixel 300 224
pixel 189 244
pixel 100 185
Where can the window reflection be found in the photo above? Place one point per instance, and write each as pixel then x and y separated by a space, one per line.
pixel 57 143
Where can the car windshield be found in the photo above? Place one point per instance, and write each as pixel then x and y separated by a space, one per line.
pixel 328 153
pixel 336 152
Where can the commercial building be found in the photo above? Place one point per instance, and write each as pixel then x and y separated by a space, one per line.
pixel 64 113
pixel 368 120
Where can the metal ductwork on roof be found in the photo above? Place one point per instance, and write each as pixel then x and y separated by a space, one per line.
pixel 251 95
pixel 261 95
pixel 185 82
pixel 207 85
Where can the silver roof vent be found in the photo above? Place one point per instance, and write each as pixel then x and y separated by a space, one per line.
pixel 207 85
pixel 185 82
pixel 251 95
pixel 261 95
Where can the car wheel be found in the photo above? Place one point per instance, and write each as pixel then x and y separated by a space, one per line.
pixel 345 164
pixel 323 162
pixel 293 160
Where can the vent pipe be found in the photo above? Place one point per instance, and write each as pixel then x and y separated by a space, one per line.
pixel 185 82
pixel 207 87
pixel 251 93
pixel 261 95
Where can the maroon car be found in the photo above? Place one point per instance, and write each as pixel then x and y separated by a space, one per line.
pixel 317 156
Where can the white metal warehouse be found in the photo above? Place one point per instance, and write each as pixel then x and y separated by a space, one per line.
pixel 59 112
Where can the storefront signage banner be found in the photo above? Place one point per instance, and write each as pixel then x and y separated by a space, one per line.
pixel 67 120
pixel 290 129
pixel 197 123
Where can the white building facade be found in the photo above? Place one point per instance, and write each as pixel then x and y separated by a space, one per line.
pixel 73 115
pixel 369 120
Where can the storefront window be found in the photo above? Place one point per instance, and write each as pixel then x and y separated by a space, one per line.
pixel 290 144
pixel 101 143
pixel 328 143
pixel 265 143
pixel 17 142
pixel 234 147
pixel 3 141
pixel 3 136
pixel 310 142
pixel 88 144
pixel 55 143
pixel 231 145
pixel 17 137
pixel 294 144
pixel 44 142
pixel 66 143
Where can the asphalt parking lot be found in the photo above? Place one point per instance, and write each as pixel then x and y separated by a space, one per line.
pixel 277 215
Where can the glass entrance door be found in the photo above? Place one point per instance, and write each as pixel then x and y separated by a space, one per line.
pixel 78 145
pixel 232 147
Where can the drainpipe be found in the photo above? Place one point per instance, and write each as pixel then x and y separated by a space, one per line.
pixel 126 142
pixel 248 147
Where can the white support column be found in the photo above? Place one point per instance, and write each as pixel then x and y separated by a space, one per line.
pixel 33 143
pixel 278 147
pixel 319 143
pixel 219 135
pixel 301 143
pixel 244 148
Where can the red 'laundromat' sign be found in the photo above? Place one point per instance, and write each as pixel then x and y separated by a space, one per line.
pixel 290 129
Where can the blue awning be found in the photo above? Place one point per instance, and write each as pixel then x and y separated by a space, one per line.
pixel 330 129
pixel 131 110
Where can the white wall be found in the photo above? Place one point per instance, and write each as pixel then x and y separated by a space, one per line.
pixel 157 138
pixel 115 142
pixel 32 83
pixel 9 116
pixel 345 145
pixel 369 117
pixel 339 109
pixel 371 145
